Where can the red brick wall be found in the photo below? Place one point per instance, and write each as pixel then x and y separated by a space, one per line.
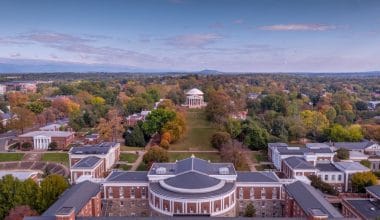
pixel 92 207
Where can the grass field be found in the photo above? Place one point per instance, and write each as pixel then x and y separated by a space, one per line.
pixel 130 158
pixel 198 134
pixel 213 157
pixel 62 158
pixel 123 167
pixel 259 156
pixel 5 157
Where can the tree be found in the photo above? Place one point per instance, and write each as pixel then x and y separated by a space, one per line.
pixel 26 146
pixel 218 106
pixel 355 132
pixel 135 105
pixel 155 154
pixel 343 154
pixel 314 121
pixel 65 106
pixel 366 163
pixel 255 137
pixel 361 106
pixel 274 102
pixel 19 212
pixel 23 119
pixel 175 127
pixel 110 128
pixel 50 189
pixel 164 144
pixel 35 107
pixel 9 194
pixel 361 180
pixel 177 96
pixel 156 120
pixel 321 185
pixel 233 152
pixel 250 210
pixel 53 145
pixel 233 127
pixel 220 138
pixel 17 99
pixel 134 137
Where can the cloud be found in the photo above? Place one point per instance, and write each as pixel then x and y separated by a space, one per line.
pixel 298 27
pixel 15 55
pixel 193 40
pixel 52 37
pixel 238 21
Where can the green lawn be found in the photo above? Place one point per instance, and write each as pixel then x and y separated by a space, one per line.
pixel 213 157
pixel 127 148
pixel 123 167
pixel 259 156
pixel 142 167
pixel 128 157
pixel 62 158
pixel 4 157
pixel 198 134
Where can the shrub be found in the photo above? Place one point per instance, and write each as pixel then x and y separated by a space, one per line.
pixel 26 146
pixel 323 186
pixel 220 138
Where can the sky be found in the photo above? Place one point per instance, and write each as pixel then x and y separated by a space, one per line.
pixel 192 35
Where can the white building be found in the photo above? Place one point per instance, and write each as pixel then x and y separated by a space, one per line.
pixel 3 89
pixel 194 99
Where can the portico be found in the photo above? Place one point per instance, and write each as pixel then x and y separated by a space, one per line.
pixel 194 99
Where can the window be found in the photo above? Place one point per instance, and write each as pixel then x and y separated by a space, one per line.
pixel 274 193
pixel 240 193
pixel 252 193
pixel 263 193
pixel 326 177
pixel 133 191
pixel 110 192
pixel 340 177
pixel 333 177
pixel 121 192
pixel 143 192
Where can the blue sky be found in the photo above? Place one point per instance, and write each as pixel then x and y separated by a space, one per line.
pixel 189 35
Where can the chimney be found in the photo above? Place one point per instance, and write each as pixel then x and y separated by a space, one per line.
pixel 65 213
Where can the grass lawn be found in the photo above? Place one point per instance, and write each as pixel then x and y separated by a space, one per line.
pixel 213 157
pixel 4 157
pixel 142 167
pixel 259 156
pixel 198 134
pixel 62 158
pixel 123 167
pixel 128 157
pixel 127 148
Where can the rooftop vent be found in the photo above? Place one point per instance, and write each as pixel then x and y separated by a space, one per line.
pixel 223 170
pixel 161 170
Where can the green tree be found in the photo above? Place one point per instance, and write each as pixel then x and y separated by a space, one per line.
pixel 26 146
pixel 323 186
pixel 274 102
pixel 155 154
pixel 53 145
pixel 50 189
pixel 366 163
pixel 343 154
pixel 134 137
pixel 361 106
pixel 135 105
pixel 361 180
pixel 314 121
pixel 233 127
pixel 156 120
pixel 10 194
pixel 256 138
pixel 35 107
pixel 250 210
pixel 220 138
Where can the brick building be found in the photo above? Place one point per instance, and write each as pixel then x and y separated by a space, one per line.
pixel 40 140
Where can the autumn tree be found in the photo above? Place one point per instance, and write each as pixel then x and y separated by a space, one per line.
pixel 155 154
pixel 19 212
pixel 362 180
pixel 218 107
pixel 65 106
pixel 110 128
pixel 175 127
pixel 233 152
pixel 315 122
pixel 23 119
pixel 220 138
pixel 17 99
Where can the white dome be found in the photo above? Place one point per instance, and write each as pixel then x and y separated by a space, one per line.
pixel 194 92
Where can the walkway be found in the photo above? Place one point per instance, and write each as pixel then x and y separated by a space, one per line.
pixel 136 164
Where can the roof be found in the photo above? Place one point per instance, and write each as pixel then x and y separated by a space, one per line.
pixel 76 197
pixel 194 91
pixel 374 190
pixel 102 148
pixel 317 145
pixel 51 126
pixel 298 163
pixel 277 144
pixel 192 164
pixel 303 150
pixel 367 208
pixel 327 167
pixel 47 133
pixel 352 145
pixel 351 166
pixel 310 199
pixel 87 162
pixel 187 181
pixel 127 176
pixel 256 177
pixel 357 154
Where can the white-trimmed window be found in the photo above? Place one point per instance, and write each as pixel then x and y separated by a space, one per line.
pixel 143 192
pixel 110 192
pixel 121 192
pixel 252 193
pixel 274 193
pixel 240 193
pixel 263 193
pixel 133 192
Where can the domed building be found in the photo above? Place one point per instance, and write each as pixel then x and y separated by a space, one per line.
pixel 194 98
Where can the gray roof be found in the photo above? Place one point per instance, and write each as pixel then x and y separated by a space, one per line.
pixel 375 190
pixel 317 145
pixel 127 176
pixel 302 150
pixel 102 148
pixel 87 162
pixel 192 164
pixel 327 167
pixel 47 133
pixel 310 199
pixel 156 187
pixel 76 197
pixel 277 144
pixel 367 208
pixel 351 166
pixel 352 145
pixel 298 163
pixel 256 177
pixel 192 180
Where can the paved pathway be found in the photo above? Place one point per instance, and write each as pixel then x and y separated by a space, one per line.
pixel 138 161
pixel 32 157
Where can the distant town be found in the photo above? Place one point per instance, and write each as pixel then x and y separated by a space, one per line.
pixel 190 145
